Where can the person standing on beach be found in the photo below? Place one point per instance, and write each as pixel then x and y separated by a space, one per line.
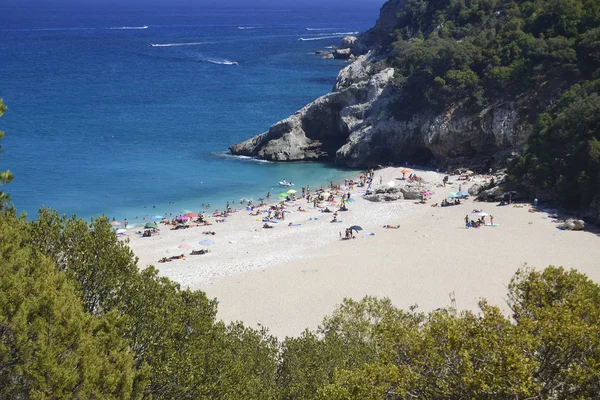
pixel 535 202
pixel 491 220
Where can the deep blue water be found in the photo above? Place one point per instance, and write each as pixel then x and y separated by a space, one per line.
pixel 99 122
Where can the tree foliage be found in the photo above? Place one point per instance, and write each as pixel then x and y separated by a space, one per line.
pixel 5 176
pixel 471 53
pixel 78 319
pixel 564 152
pixel 50 348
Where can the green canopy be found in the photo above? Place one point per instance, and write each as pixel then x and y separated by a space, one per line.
pixel 150 225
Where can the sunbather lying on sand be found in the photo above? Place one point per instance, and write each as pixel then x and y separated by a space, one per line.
pixel 391 226
pixel 208 233
pixel 267 226
pixel 197 252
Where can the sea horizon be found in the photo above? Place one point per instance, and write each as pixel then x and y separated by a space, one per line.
pixel 101 123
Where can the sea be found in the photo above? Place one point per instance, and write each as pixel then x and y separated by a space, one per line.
pixel 101 123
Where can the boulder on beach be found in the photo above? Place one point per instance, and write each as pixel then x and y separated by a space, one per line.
pixel 411 192
pixel 572 225
pixel 475 189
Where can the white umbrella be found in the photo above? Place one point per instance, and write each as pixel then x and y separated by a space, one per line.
pixel 391 184
pixel 121 231
pixel 481 214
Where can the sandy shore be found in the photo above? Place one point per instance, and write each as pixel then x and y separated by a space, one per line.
pixel 289 278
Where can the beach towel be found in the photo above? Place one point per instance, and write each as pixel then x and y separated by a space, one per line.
pixel 294 224
pixel 369 234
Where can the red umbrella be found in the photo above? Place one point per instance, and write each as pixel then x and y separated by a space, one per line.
pixel 191 215
pixel 115 223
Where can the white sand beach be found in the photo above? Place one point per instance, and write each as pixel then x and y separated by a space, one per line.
pixel 289 277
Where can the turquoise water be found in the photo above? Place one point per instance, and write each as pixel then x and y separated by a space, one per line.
pixel 99 122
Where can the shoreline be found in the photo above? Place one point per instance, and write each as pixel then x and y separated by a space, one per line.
pixel 289 278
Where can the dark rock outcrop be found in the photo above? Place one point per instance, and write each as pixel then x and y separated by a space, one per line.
pixel 354 126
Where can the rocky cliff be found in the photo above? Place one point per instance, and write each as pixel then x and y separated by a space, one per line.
pixel 353 125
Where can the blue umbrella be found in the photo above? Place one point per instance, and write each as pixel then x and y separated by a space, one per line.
pixel 462 194
pixel 157 217
pixel 206 242
pixel 452 196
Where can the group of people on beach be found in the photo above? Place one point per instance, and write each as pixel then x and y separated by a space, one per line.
pixel 470 223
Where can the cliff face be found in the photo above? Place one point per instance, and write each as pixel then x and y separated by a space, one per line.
pixel 353 126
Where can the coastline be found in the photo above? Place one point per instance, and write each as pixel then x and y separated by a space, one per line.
pixel 289 278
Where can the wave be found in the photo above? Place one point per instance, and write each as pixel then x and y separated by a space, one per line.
pixel 247 27
pixel 321 29
pixel 130 27
pixel 321 38
pixel 227 154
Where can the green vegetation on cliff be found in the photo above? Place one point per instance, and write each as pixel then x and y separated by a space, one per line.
pixel 474 53
pixel 545 54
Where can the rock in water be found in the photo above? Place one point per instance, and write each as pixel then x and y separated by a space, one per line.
pixel 318 130
pixel 348 42
pixel 341 54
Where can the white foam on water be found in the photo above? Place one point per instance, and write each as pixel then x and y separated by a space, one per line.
pixel 337 33
pixel 226 154
pixel 320 38
pixel 220 62
pixel 321 29
pixel 130 27
pixel 178 44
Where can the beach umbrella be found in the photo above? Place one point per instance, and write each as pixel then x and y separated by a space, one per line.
pixel 391 184
pixel 356 228
pixel 182 218
pixel 292 191
pixel 463 193
pixel 206 242
pixel 325 194
pixel 481 214
pixel 191 215
pixel 184 246
pixel 121 231
pixel 150 225
pixel 186 211
pixel 115 223
pixel 157 217
pixel 405 171
pixel 427 193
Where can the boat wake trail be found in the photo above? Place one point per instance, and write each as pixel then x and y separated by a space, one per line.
pixel 321 38
pixel 337 33
pixel 177 44
pixel 219 62
pixel 129 27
